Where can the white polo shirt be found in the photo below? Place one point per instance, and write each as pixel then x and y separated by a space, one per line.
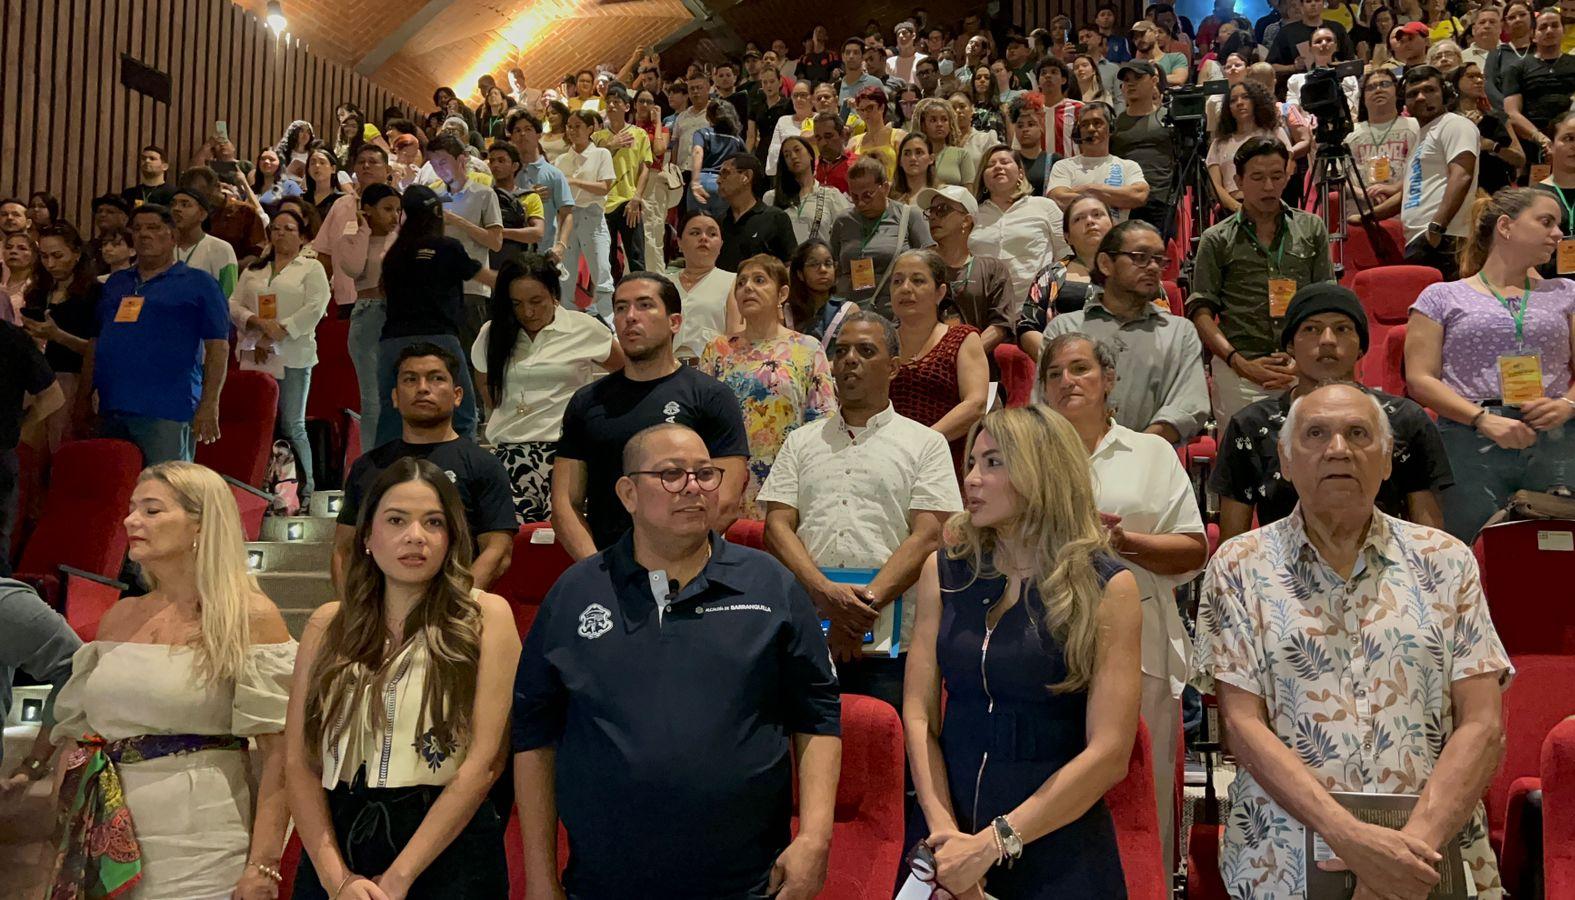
pixel 854 488
pixel 1019 236
pixel 1139 478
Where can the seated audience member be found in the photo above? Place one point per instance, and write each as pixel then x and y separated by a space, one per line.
pixel 863 488
pixel 159 348
pixel 780 378
pixel 606 670
pixel 1094 172
pixel 1491 355
pixel 276 306
pixel 868 238
pixel 38 643
pixel 415 636
pixel 1027 116
pixel 937 121
pixel 1265 614
pixel 1066 284
pixel 811 206
pixel 62 306
pixel 1151 515
pixel 1382 139
pixel 426 394
pixel 1248 269
pixel 810 308
pixel 29 394
pixel 535 356
pixel 750 226
pixel 1024 613
pixel 174 707
pixel 1250 112
pixel 652 387
pixel 704 289
pixel 944 379
pixel 1325 333
pixel 1011 225
pixel 979 291
pixel 425 276
pixel 915 168
pixel 1162 389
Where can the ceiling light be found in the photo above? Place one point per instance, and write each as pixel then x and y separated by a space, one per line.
pixel 276 19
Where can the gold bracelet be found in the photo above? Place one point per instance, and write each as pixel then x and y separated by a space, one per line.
pixel 349 877
pixel 269 872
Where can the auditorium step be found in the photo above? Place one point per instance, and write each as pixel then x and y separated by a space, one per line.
pixel 292 561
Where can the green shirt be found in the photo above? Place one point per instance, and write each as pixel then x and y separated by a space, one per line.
pixel 1231 278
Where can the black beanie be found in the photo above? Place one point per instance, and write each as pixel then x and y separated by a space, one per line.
pixel 1321 298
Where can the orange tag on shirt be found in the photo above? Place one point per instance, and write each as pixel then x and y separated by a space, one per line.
pixel 1380 168
pixel 1540 173
pixel 1520 378
pixel 1567 256
pixel 267 306
pixel 1281 290
pixel 130 309
pixel 862 271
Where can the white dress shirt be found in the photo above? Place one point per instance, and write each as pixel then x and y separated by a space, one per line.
pixel 300 292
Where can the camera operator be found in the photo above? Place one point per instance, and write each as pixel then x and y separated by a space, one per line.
pixel 1142 135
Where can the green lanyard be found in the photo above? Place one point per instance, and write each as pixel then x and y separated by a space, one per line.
pixel 1519 313
pixel 1569 207
pixel 1279 244
pixel 870 235
pixel 962 282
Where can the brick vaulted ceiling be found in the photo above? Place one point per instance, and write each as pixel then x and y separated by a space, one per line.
pixel 412 46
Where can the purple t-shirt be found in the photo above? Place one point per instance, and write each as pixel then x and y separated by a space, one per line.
pixel 1478 330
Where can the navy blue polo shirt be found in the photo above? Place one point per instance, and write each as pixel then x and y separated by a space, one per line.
pixel 150 364
pixel 674 774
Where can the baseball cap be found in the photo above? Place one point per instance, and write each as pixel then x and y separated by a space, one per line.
pixel 1417 28
pixel 114 200
pixel 420 197
pixel 952 192
pixel 1140 66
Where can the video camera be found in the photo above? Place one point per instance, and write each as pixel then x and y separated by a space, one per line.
pixel 1324 98
pixel 1187 105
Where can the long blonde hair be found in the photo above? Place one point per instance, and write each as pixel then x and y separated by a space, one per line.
pixel 1057 520
pixel 224 583
pixel 353 656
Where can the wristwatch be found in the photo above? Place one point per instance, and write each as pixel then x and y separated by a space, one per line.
pixel 33 768
pixel 1435 228
pixel 1010 839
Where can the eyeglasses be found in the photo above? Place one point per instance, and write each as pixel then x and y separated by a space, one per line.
pixel 1142 260
pixel 921 862
pixel 821 264
pixel 675 479
pixel 938 210
pixel 865 196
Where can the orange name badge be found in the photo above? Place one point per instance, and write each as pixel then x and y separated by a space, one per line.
pixel 1520 378
pixel 1540 173
pixel 268 306
pixel 1566 258
pixel 862 271
pixel 130 308
pixel 1281 290
pixel 1380 168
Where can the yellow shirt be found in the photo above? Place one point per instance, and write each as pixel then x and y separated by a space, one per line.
pixel 854 123
pixel 532 205
pixel 594 104
pixel 627 163
pixel 886 153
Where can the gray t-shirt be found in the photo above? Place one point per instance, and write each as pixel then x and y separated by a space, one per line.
pixel 853 238
pixel 34 639
pixel 1146 141
pixel 475 202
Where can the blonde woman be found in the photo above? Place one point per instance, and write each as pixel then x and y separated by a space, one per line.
pixel 181 687
pixel 1028 622
pixel 399 709
pixel 937 121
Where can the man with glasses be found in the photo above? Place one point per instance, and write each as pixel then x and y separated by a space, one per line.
pixel 653 387
pixel 1382 138
pixel 862 491
pixel 750 227
pixel 1119 183
pixel 1248 269
pixel 1160 388
pixel 979 291
pixel 667 692
pixel 867 239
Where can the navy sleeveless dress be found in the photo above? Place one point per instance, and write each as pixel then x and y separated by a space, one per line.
pixel 1004 734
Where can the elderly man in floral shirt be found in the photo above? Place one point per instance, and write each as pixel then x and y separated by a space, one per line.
pixel 1350 651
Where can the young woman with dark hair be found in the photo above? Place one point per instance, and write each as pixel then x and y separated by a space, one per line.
pixel 61 309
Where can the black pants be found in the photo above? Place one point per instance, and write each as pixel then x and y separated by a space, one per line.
pixel 1419 252
pixel 1159 213
pixel 630 237
pixel 9 514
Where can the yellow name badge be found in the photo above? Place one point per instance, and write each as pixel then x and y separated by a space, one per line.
pixel 1520 378
pixel 1281 290
pixel 130 308
pixel 1567 256
pixel 862 271
pixel 267 306
pixel 1380 168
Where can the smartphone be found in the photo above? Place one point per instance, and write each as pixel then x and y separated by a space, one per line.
pixel 222 129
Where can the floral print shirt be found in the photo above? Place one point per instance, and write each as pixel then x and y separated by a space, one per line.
pixel 781 384
pixel 1355 673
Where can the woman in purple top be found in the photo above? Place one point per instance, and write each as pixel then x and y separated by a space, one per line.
pixel 1476 349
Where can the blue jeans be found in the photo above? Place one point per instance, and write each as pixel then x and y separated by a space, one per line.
pixel 366 330
pixel 293 389
pixel 592 240
pixel 389 423
pixel 1487 474
pixel 160 440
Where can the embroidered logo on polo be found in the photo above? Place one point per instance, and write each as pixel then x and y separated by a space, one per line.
pixel 671 410
pixel 595 621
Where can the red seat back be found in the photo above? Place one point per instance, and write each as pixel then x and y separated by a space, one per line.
pixel 1541 696
pixel 1361 254
pixel 248 408
pixel 252 504
pixel 81 521
pixel 86 602
pixel 29 488
pixel 334 385
pixel 537 562
pixel 1558 811
pixel 1387 293
pixel 1017 374
pixel 748 533
pixel 1392 377
pixel 1132 806
pixel 1516 574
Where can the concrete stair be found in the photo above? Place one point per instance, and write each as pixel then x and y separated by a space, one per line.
pixel 292 560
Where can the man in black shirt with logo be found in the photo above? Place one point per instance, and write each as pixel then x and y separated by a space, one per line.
pixel 426 396
pixel 750 227
pixel 652 388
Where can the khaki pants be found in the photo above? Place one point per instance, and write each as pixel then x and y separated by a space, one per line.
pixel 1232 393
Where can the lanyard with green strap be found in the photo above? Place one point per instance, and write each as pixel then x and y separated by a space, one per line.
pixel 1569 207
pixel 1519 313
pixel 870 234
pixel 1279 244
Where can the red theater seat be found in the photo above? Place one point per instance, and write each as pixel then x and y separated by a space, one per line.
pixel 1541 696
pixel 1387 293
pixel 1132 807
pixel 1558 811
pixel 336 393
pixel 1392 378
pixel 1520 561
pixel 747 533
pixel 248 408
pixel 1017 374
pixel 80 525
pixel 537 562
pixel 1361 254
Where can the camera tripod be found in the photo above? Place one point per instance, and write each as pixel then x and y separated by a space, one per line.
pixel 1191 172
pixel 1337 171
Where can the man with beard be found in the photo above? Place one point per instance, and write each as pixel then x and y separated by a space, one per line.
pixel 426 395
pixel 653 387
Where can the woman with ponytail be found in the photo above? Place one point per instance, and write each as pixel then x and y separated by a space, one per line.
pixel 399 709
pixel 177 700
pixel 1029 623
pixel 1491 354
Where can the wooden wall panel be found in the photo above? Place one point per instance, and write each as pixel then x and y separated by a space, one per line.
pixel 68 127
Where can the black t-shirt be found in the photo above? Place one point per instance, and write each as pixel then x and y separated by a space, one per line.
pixel 816 67
pixel 77 316
pixel 23 371
pixel 139 194
pixel 1146 141
pixel 482 481
pixel 766 123
pixel 426 288
pixel 1544 86
pixel 603 416
pixel 1248 470
pixel 1566 198
pixel 763 229
pixel 740 101
pixel 1285 51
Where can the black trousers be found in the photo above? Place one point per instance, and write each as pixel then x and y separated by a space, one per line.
pixel 630 237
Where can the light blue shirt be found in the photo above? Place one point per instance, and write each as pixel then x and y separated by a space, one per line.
pixel 558 194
